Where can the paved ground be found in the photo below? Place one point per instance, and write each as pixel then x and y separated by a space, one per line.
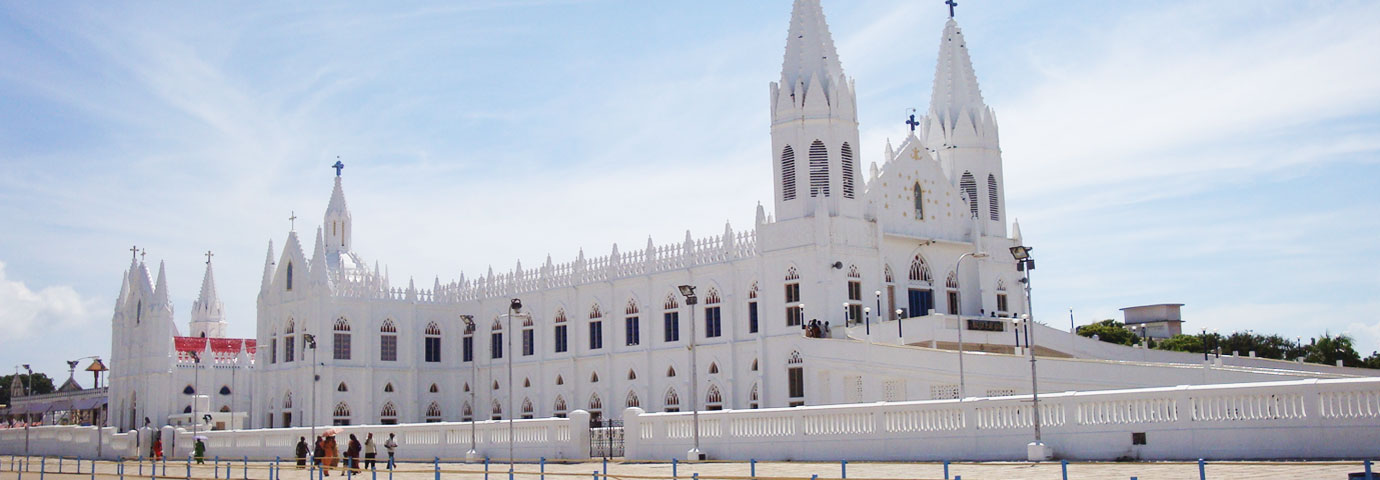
pixel 737 470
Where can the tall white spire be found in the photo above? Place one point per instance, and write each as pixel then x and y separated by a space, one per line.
pixel 955 83
pixel 810 55
pixel 337 224
pixel 208 313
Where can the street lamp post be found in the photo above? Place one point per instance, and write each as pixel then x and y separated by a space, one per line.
pixel 28 388
pixel 867 321
pixel 962 382
pixel 474 377
pixel 878 294
pixel 196 388
pixel 315 378
pixel 690 300
pixel 1036 451
pixel 514 307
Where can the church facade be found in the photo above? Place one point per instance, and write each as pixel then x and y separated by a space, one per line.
pixel 797 309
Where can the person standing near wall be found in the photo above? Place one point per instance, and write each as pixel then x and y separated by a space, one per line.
pixel 392 446
pixel 370 452
pixel 301 452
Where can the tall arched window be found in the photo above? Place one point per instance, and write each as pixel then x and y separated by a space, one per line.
pixel 289 276
pixel 787 173
pixel 632 324
pixel 596 327
pixel 968 185
pixel 920 293
pixel 1001 296
pixel 289 341
pixel 713 314
pixel 388 341
pixel 562 332
pixel 432 343
pixel 496 339
pixel 795 379
pixel 433 413
pixel 527 408
pixel 795 313
pixel 919 194
pixel 847 154
pixel 819 170
pixel 341 347
pixel 951 287
pixel 341 414
pixel 714 400
pixel 558 409
pixel 671 318
pixel 388 415
pixel 632 400
pixel 671 402
pixel 992 205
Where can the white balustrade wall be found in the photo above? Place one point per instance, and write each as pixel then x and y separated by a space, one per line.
pixel 552 438
pixel 1303 419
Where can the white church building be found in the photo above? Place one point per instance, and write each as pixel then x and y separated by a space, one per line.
pixel 907 263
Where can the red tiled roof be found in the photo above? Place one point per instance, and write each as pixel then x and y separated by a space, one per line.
pixel 218 345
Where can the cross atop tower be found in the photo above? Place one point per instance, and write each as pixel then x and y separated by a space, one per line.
pixel 951 4
pixel 912 122
pixel 143 253
pixel 208 257
pixel 292 221
pixel 134 252
pixel 338 166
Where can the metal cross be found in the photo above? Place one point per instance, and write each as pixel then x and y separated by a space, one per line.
pixel 292 221
pixel 951 4
pixel 133 252
pixel 912 123
pixel 143 253
pixel 338 166
pixel 208 257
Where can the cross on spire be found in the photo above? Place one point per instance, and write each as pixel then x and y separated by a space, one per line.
pixel 292 221
pixel 208 257
pixel 143 253
pixel 133 252
pixel 912 122
pixel 338 165
pixel 951 4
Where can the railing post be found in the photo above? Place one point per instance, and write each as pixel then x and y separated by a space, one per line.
pixel 374 469
pixel 606 466
pixel 486 468
pixel 42 467
pixel 436 465
pixel 120 468
pixel 1368 474
pixel 843 468
pixel 1202 469
pixel 946 470
pixel 1064 467
pixel 189 467
pixel 60 464
pixel 543 468
pixel 93 469
pixel 752 468
pixel 673 468
pixel 216 464
pixel 277 468
pixel 246 467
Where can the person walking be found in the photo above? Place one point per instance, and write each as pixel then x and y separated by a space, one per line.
pixel 200 452
pixel 301 453
pixel 318 451
pixel 392 446
pixel 352 454
pixel 370 451
pixel 332 455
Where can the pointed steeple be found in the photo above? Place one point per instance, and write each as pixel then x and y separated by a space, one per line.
pixel 955 83
pixel 319 274
pixel 268 269
pixel 160 290
pixel 337 225
pixel 811 60
pixel 208 313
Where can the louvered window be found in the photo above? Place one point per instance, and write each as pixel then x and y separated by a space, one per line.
pixel 819 170
pixel 992 197
pixel 787 174
pixel 847 170
pixel 969 187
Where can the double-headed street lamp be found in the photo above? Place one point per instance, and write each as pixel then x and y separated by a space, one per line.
pixel 474 378
pixel 690 300
pixel 1036 451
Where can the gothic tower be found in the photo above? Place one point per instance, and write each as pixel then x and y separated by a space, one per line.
pixel 208 313
pixel 814 128
pixel 961 130
pixel 337 226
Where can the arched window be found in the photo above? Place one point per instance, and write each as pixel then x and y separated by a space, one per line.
pixel 713 368
pixel 596 327
pixel 526 382
pixel 632 375
pixel 795 313
pixel 432 343
pixel 754 364
pixel 951 287
pixel 753 397
pixel 388 341
pixel 671 318
pixel 920 271
pixel 752 308
pixel 341 348
pixel 342 387
pixel 466 412
pixel 558 410
pixel 819 170
pixel 632 324
pixel 187 409
pixel 224 389
pixel 1001 296
pixel 847 155
pixel 496 339
pixel 433 413
pixel 188 390
pixel 714 400
pixel 467 387
pixel 671 402
pixel 919 295
pixel 596 406
pixel 289 341
pixel 434 389
pixel 713 315
pixel 224 409
pixel 670 371
pixel 992 205
pixel 887 276
pixel 287 401
pixel 526 407
pixel 342 414
pixel 496 411
pixel 795 379
pixel 562 332
pixel 787 174
pixel 794 359
pixel 919 195
pixel 388 415
pixel 560 380
pixel 969 187
pixel 289 276
pixel 495 384
pixel 594 377
pixel 388 388
pixel 631 400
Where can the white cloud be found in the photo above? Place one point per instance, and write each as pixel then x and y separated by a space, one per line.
pixel 25 313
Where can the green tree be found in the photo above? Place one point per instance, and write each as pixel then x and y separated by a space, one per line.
pixel 1110 331
pixel 1182 343
pixel 1373 361
pixel 1328 349
pixel 41 385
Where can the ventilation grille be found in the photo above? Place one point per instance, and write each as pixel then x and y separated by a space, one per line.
pixel 969 187
pixel 992 197
pixel 847 171
pixel 788 174
pixel 819 170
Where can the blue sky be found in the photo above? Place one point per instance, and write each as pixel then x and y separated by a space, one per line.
pixel 1219 154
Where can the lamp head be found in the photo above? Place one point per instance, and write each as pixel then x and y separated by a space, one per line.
pixel 468 319
pixel 877 293
pixel 867 309
pixel 687 290
pixel 837 265
pixel 516 305
pixel 898 312
pixel 26 367
pixel 1020 252
pixel 1025 316
pixel 845 304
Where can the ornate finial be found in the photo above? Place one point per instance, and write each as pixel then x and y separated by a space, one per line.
pixel 208 257
pixel 292 221
pixel 133 252
pixel 338 165
pixel 951 4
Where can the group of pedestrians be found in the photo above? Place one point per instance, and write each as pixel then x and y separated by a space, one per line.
pixel 325 454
